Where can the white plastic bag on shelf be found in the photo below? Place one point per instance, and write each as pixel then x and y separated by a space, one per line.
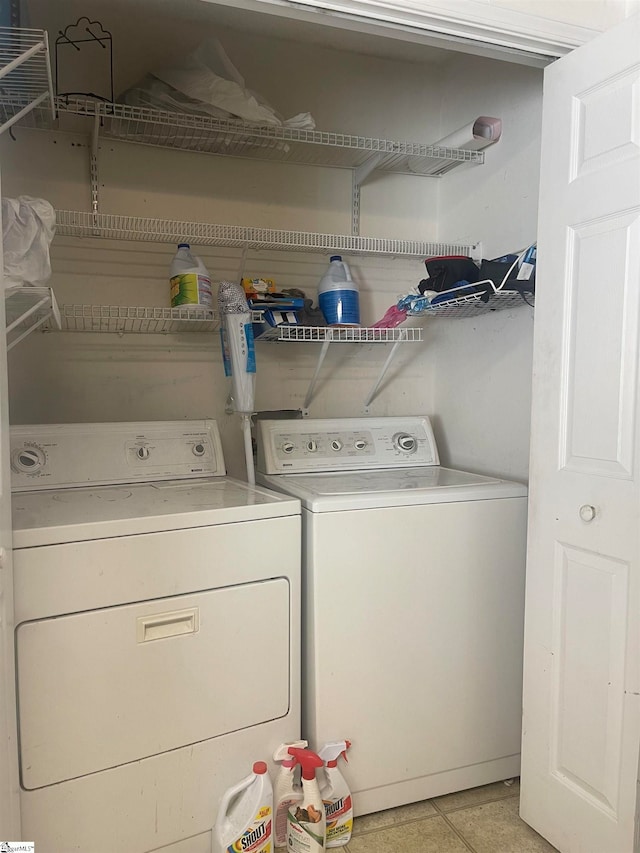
pixel 28 225
pixel 206 82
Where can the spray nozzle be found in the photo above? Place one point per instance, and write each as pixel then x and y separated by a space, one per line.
pixel 331 752
pixel 282 752
pixel 307 760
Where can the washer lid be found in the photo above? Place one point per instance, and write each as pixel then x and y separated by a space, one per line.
pixel 331 492
pixel 73 515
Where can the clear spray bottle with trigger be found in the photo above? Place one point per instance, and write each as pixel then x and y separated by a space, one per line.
pixel 306 821
pixel 336 795
pixel 285 791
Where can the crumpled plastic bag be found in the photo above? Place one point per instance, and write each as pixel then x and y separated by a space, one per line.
pixel 207 83
pixel 28 226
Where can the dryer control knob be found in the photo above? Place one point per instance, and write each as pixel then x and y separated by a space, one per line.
pixel 143 452
pixel 336 445
pixel 360 443
pixel 27 460
pixel 405 441
pixel 199 449
pixel 312 446
pixel 288 447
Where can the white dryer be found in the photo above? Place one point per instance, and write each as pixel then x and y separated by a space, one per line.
pixel 157 638
pixel 413 595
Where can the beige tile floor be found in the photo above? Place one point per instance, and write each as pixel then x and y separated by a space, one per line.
pixel 481 820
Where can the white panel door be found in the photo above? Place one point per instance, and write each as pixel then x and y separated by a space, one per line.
pixel 9 804
pixel 581 727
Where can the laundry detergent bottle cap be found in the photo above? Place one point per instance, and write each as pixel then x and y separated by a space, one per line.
pixel 338 295
pixel 336 795
pixel 245 814
pixel 306 821
pixel 285 793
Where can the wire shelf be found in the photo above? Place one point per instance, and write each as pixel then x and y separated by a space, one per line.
pixel 234 138
pixel 25 74
pixel 71 223
pixel 334 334
pixel 473 306
pixel 27 309
pixel 120 319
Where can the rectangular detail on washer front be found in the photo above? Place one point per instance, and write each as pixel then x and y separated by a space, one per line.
pixel 92 697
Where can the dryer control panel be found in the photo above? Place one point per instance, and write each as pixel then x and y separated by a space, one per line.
pixel 343 444
pixel 57 456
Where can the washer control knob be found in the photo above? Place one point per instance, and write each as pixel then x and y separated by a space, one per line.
pixel 143 452
pixel 288 447
pixel 199 449
pixel 312 446
pixel 336 445
pixel 360 443
pixel 405 441
pixel 28 460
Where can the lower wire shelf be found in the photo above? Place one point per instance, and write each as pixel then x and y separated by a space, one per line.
pixel 336 334
pixel 473 304
pixel 119 319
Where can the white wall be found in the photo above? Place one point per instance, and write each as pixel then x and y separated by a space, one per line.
pixel 68 377
pixel 482 383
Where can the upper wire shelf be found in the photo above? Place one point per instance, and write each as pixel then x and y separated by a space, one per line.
pixel 72 223
pixel 25 74
pixel 234 138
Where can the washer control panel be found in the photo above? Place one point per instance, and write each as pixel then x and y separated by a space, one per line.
pixel 55 456
pixel 341 444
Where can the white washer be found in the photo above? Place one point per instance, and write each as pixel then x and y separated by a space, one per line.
pixel 413 593
pixel 157 639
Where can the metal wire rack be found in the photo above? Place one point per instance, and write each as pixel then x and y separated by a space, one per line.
pixel 25 74
pixel 115 227
pixel 237 139
pixel 27 309
pixel 473 306
pixel 121 319
pixel 334 334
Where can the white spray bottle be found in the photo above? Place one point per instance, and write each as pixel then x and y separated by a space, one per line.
pixel 285 792
pixel 306 821
pixel 336 795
